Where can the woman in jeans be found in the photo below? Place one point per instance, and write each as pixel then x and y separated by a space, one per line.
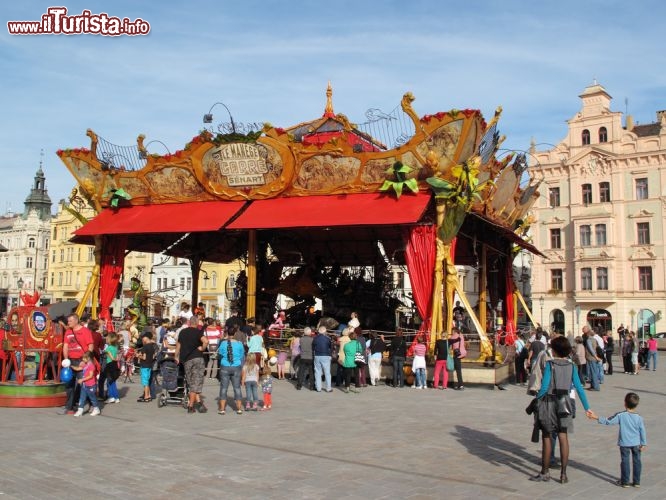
pixel 399 353
pixel 231 353
pixel 457 343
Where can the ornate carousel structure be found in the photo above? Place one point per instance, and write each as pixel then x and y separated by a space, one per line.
pixel 31 332
pixel 319 198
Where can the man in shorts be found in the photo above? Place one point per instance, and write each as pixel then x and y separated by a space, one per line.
pixel 190 348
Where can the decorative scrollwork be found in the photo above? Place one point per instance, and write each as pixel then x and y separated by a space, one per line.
pixel 394 128
pixel 239 127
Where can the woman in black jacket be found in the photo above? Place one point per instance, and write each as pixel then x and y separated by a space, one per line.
pixel 399 353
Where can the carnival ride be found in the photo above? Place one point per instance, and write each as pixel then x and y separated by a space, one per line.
pixel 329 193
pixel 31 332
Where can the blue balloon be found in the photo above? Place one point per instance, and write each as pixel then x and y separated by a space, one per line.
pixel 66 374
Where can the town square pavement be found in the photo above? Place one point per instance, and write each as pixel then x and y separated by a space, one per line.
pixel 381 443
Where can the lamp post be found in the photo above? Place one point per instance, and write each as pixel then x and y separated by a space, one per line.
pixel 208 117
pixel 541 301
pixel 577 309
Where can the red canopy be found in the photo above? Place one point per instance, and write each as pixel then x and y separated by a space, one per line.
pixel 168 218
pixel 330 211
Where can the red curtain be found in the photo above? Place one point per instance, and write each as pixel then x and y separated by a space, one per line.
pixel 509 304
pixel 420 256
pixel 113 259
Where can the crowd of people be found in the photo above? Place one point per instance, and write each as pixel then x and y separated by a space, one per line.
pixel 235 353
pixel 552 366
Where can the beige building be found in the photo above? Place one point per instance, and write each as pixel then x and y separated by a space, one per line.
pixel 70 265
pixel 25 236
pixel 600 222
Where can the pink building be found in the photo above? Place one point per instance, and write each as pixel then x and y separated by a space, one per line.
pixel 600 222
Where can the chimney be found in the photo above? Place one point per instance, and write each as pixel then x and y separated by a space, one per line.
pixel 630 123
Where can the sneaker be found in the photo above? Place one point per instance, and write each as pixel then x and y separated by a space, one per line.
pixel 636 485
pixel 79 413
pixel 95 412
pixel 621 484
pixel 112 400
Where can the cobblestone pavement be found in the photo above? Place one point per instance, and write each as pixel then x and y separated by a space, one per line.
pixel 381 443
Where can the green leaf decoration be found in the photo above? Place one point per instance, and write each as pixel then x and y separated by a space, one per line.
pixel 399 171
pixel 413 185
pixel 386 186
pixel 119 195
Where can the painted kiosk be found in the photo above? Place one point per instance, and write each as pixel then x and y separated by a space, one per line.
pixel 30 332
pixel 320 197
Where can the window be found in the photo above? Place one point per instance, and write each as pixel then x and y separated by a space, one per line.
pixel 643 229
pixel 182 283
pixel 585 235
pixel 600 234
pixel 173 282
pixel 556 280
pixel 604 192
pixel 213 279
pixel 555 239
pixel 91 254
pixel 585 136
pixel 31 242
pixel 587 194
pixel 52 279
pixel 28 262
pixel 645 278
pixel 554 197
pixel 62 255
pixel 55 233
pixel 189 283
pixel 603 134
pixel 586 278
pixel 642 189
pixel 78 255
pixel 602 278
pixel 59 279
pixel 53 256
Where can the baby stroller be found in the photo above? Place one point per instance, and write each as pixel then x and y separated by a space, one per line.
pixel 174 387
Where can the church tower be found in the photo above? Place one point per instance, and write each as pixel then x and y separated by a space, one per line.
pixel 38 199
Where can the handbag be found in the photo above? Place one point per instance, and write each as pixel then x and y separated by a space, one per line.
pixel 359 358
pixel 564 405
pixel 112 370
pixel 450 365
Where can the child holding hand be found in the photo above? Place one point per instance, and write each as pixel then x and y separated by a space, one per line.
pixel 632 439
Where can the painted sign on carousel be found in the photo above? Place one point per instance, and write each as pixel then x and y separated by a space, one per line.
pixel 241 164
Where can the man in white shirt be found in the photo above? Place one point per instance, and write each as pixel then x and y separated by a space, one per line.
pixel 600 342
pixel 185 311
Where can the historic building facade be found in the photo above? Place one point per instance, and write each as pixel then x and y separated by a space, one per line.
pixel 600 222
pixel 26 238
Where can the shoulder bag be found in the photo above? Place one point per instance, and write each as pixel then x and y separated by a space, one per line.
pixel 359 357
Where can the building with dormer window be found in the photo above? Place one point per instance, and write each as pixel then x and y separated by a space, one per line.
pixel 600 222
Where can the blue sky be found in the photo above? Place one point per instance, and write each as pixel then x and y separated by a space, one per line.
pixel 271 60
